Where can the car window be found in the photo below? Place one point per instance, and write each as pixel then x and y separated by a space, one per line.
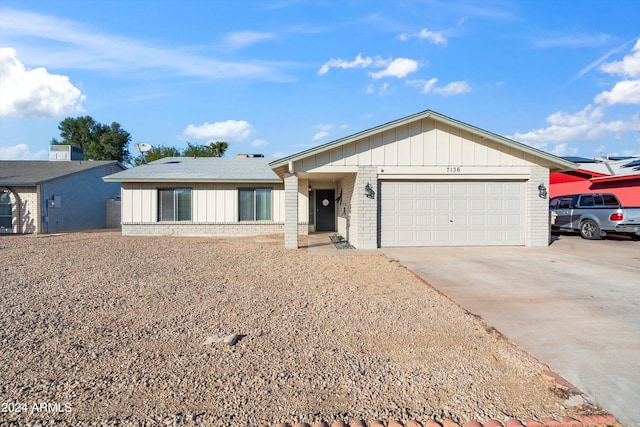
pixel 586 201
pixel 565 203
pixel 610 200
pixel 553 203
pixel 597 201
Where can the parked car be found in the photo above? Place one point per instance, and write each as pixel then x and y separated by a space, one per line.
pixel 594 215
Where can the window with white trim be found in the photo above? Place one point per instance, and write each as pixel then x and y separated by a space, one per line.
pixel 6 216
pixel 254 204
pixel 174 204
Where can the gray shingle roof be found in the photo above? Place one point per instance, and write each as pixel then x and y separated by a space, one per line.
pixel 33 172
pixel 201 169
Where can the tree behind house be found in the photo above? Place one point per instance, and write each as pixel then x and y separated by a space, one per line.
pixel 97 140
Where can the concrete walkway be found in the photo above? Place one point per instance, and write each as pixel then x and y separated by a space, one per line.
pixel 575 306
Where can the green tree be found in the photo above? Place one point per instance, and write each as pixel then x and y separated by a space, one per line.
pixel 157 153
pixel 218 148
pixel 97 140
pixel 195 150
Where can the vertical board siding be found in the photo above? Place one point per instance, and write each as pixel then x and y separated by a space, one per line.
pixel 422 143
pixel 211 202
pixel 416 144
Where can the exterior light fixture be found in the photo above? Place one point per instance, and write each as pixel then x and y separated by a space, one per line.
pixel 368 191
pixel 542 191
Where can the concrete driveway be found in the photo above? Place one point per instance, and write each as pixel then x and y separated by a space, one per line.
pixel 575 306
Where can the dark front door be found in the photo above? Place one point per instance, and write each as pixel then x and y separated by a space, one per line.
pixel 325 210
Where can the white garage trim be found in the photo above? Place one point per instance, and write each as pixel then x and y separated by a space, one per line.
pixel 452 213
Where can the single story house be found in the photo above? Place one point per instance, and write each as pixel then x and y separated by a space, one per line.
pixel 423 180
pixel 620 176
pixel 40 196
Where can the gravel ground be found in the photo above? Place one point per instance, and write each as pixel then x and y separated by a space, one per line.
pixel 110 329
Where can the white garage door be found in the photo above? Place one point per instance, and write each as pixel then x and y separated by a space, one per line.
pixel 438 213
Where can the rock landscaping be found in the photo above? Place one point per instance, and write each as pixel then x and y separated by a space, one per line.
pixel 100 329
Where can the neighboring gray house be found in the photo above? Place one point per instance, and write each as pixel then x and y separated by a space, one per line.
pixel 39 196
pixel 423 180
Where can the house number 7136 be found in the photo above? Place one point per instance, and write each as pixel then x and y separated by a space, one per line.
pixel 453 169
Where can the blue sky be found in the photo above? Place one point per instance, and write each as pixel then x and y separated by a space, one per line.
pixel 279 76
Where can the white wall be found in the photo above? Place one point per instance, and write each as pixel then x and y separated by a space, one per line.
pixel 211 202
pixel 423 143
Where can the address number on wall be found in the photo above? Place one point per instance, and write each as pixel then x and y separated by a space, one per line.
pixel 453 169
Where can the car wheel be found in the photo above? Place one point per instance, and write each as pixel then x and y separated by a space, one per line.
pixel 590 230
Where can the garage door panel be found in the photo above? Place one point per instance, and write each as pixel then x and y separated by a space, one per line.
pixel 441 190
pixel 423 220
pixel 512 205
pixel 423 205
pixel 459 204
pixel 405 205
pixel 440 220
pixel 441 205
pixel 456 213
pixel 478 205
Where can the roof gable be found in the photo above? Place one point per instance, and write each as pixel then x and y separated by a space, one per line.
pixel 557 163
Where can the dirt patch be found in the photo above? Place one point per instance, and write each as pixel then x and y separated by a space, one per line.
pixel 111 329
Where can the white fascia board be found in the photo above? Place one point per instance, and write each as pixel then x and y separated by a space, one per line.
pixel 385 171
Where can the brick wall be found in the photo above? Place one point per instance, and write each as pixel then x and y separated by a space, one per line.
pixel 25 210
pixel 364 211
pixel 537 209
pixel 291 228
pixel 202 229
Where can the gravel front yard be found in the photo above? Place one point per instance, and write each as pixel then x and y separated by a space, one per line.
pixel 105 328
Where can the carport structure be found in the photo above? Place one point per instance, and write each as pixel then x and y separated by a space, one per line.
pixel 423 180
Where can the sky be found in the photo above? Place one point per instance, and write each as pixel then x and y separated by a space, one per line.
pixel 277 77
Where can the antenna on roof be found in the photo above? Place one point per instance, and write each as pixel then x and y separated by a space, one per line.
pixel 143 148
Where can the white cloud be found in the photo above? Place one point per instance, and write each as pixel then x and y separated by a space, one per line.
pixel 624 92
pixel 320 135
pixel 432 37
pixel 382 90
pixel 586 125
pixel 453 88
pixel 629 66
pixel 241 39
pixel 62 43
pixel 359 62
pixel 563 149
pixel 590 124
pixel 21 152
pixel 400 68
pixel 34 93
pixel 230 131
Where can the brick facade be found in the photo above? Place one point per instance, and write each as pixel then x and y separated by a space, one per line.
pixel 364 210
pixel 201 229
pixel 25 209
pixel 537 222
pixel 291 228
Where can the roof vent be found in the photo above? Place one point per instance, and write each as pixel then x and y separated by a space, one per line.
pixel 247 156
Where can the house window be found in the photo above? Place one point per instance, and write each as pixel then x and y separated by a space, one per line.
pixel 174 204
pixel 254 204
pixel 5 211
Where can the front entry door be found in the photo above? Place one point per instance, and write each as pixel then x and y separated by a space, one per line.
pixel 325 210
